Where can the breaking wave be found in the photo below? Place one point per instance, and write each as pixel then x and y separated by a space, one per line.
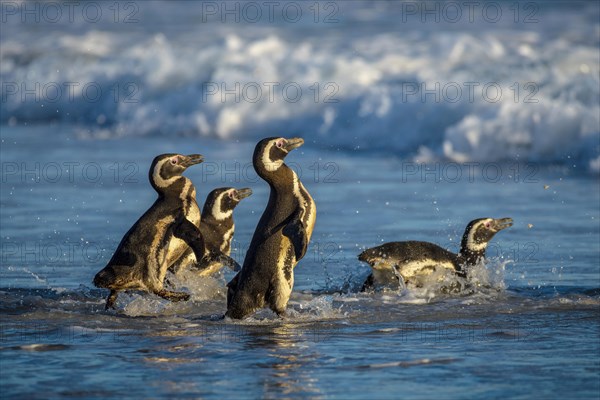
pixel 460 92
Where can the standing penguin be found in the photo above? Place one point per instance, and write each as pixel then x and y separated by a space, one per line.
pixel 412 260
pixel 160 236
pixel 280 239
pixel 217 229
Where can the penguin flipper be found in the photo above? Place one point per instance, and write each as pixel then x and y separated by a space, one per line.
pixel 296 232
pixel 172 296
pixel 231 288
pixel 191 235
pixel 369 283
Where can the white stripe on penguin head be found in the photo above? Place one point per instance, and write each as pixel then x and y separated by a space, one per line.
pixel 471 242
pixel 269 164
pixel 158 179
pixel 217 212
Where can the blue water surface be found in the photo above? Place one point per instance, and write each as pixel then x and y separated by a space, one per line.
pixel 534 334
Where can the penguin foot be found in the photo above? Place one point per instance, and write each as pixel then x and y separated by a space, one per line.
pixel 230 262
pixel 282 314
pixel 222 259
pixel 111 299
pixel 173 296
pixel 202 265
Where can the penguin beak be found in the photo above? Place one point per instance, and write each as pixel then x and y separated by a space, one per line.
pixel 502 223
pixel 192 159
pixel 242 193
pixel 293 143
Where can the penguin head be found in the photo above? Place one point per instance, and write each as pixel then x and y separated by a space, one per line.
pixel 270 153
pixel 221 202
pixel 480 231
pixel 166 169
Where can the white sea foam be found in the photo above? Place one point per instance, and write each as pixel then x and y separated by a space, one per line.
pixel 361 88
pixel 483 280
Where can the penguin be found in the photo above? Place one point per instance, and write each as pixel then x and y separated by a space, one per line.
pixel 160 236
pixel 412 260
pixel 217 229
pixel 281 236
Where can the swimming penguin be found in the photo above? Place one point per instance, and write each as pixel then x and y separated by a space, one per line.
pixel 280 239
pixel 217 229
pixel 412 260
pixel 160 236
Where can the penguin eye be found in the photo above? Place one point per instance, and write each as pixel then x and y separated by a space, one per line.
pixel 174 160
pixel 487 224
pixel 280 143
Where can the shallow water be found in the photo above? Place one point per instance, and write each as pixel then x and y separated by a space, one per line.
pixel 531 330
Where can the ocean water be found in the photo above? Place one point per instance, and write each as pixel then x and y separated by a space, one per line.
pixel 383 159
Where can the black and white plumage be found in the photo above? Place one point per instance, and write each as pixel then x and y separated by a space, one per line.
pixel 217 229
pixel 281 236
pixel 411 260
pixel 160 236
